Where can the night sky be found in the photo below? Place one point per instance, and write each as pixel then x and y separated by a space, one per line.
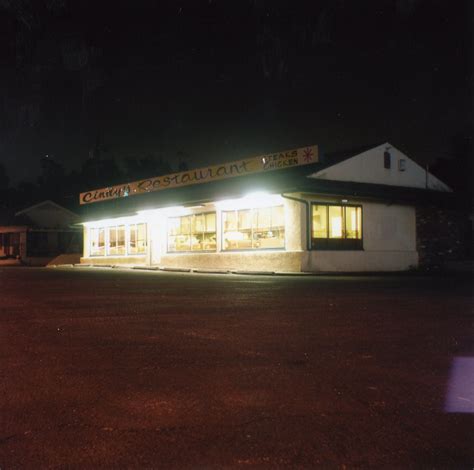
pixel 213 81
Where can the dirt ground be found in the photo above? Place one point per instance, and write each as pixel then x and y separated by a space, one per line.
pixel 114 368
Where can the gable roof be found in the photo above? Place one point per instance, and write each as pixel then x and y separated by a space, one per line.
pixel 366 165
pixel 47 202
pixel 291 180
pixel 303 179
pixel 331 158
pixel 8 218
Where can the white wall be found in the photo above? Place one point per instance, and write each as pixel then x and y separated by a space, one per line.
pixel 389 243
pixel 359 261
pixel 388 227
pixel 295 217
pixel 368 167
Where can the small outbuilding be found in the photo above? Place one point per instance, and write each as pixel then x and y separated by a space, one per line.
pixel 292 211
pixel 37 234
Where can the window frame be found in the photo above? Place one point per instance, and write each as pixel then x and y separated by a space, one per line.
pixel 128 232
pixel 177 252
pixel 108 246
pixel 107 229
pixel 98 255
pixel 335 244
pixel 223 249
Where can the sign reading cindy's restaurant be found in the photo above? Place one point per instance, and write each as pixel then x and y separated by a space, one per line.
pixel 273 161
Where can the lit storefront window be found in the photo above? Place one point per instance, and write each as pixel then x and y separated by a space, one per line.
pixel 97 236
pixel 137 241
pixel 117 240
pixel 254 229
pixel 195 232
pixel 336 227
pixel 121 240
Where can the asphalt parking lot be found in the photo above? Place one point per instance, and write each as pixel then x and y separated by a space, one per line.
pixel 114 368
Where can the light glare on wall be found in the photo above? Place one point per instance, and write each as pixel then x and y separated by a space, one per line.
pixel 154 214
pixel 252 200
pixel 133 219
pixel 336 227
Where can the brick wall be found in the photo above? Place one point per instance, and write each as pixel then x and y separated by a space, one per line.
pixel 442 235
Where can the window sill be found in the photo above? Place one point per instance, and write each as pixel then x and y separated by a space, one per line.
pixel 337 249
pixel 252 250
pixel 190 252
pixel 117 256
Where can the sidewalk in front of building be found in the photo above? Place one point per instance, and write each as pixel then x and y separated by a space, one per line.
pixel 465 267
pixel 460 266
pixel 60 260
pixel 4 261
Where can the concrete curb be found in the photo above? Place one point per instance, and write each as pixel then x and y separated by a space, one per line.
pixel 177 270
pixel 254 273
pixel 210 271
pixel 362 274
pixel 144 268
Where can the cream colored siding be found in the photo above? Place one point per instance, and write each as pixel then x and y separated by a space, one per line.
pixel 389 243
pixel 283 261
pixel 359 261
pixel 368 167
pixel 389 227
pixel 295 215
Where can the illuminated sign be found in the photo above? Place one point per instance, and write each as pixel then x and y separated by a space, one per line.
pixel 264 163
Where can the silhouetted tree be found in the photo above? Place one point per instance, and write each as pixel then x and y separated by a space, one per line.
pixel 51 181
pixel 4 179
pixel 27 194
pixel 457 171
pixel 182 161
pixel 96 173
pixel 4 187
pixel 148 166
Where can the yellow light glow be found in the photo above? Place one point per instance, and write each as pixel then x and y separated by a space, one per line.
pixel 234 236
pixel 133 219
pixel 252 200
pixel 165 211
pixel 336 227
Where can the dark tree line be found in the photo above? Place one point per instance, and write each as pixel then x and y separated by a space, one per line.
pixel 457 171
pixel 63 186
pixel 101 170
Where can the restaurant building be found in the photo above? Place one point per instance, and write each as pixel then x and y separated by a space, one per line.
pixel 293 211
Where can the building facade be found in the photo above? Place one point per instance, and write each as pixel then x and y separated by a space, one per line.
pixel 352 212
pixel 35 235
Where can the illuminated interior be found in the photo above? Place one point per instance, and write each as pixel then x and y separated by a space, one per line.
pixel 336 226
pixel 118 240
pixel 195 232
pixel 116 245
pixel 253 229
pixel 137 239
pixel 253 222
pixel 97 239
